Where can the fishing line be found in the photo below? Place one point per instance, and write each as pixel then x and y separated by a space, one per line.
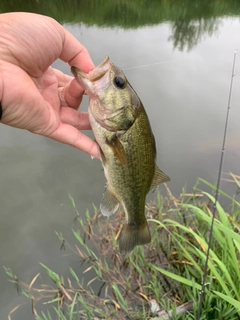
pixel 148 65
pixel 217 190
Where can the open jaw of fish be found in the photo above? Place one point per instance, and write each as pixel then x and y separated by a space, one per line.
pixel 95 79
pixel 96 83
pixel 127 148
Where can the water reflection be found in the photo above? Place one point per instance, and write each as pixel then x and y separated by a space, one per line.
pixel 187 33
pixel 190 20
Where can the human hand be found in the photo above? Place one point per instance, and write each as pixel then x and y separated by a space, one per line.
pixel 33 95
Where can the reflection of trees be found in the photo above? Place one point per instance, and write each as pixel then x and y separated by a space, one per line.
pixel 187 34
pixel 190 19
pixel 195 19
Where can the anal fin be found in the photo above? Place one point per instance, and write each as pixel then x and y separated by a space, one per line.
pixel 109 204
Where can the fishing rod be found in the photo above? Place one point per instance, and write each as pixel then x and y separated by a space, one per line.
pixel 217 190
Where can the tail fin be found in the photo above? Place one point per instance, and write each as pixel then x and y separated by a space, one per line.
pixel 134 235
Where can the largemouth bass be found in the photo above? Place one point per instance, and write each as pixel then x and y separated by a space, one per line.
pixel 127 148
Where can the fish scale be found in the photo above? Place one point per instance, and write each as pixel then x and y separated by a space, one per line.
pixel 127 148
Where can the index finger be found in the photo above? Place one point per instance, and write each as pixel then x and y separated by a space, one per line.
pixel 65 133
pixel 75 53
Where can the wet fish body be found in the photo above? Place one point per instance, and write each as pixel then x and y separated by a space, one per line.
pixel 127 148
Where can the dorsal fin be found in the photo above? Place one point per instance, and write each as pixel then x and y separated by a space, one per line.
pixel 159 177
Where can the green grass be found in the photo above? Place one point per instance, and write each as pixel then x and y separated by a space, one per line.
pixel 167 273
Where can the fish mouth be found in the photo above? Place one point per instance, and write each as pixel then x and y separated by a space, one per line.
pixel 96 74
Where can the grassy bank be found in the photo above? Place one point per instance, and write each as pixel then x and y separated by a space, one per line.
pixel 158 281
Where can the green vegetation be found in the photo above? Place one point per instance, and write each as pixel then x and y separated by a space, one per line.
pixel 124 13
pixel 189 20
pixel 158 281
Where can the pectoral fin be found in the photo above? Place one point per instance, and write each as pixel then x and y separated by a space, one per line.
pixel 109 204
pixel 159 177
pixel 102 156
pixel 115 144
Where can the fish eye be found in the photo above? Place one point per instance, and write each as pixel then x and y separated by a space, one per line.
pixel 119 82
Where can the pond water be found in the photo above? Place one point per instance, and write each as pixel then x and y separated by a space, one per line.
pixel 182 78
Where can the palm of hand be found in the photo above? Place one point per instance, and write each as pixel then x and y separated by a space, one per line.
pixel 31 103
pixel 30 87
